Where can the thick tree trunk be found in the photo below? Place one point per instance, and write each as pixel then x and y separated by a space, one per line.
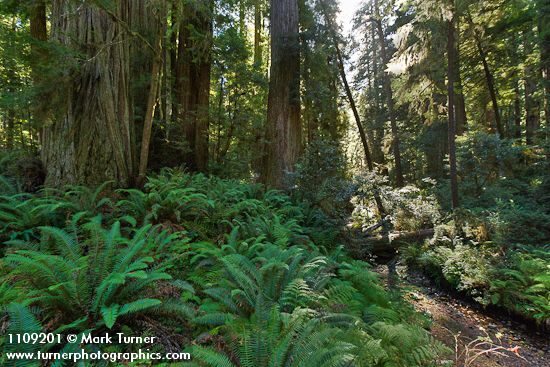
pixel 451 78
pixel 90 143
pixel 193 83
pixel 283 132
pixel 399 180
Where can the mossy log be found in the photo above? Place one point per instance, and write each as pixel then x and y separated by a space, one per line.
pixel 384 247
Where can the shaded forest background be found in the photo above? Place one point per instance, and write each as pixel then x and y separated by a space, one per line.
pixel 214 87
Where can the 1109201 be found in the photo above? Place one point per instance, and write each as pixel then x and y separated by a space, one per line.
pixel 35 338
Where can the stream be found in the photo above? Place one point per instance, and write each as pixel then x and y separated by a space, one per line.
pixel 459 324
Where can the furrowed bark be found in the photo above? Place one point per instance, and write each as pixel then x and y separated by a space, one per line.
pixel 283 132
pixel 90 142
pixel 193 83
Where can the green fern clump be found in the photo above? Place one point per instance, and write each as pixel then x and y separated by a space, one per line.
pixel 21 320
pixel 22 214
pixel 513 277
pixel 247 283
pixel 91 278
pixel 276 298
pixel 524 286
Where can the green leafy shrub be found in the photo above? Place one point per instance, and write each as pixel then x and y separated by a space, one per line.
pixel 512 277
pixel 408 208
pixel 320 178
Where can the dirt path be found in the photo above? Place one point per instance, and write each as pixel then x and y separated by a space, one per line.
pixel 453 317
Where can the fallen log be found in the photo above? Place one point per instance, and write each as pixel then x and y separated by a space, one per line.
pixel 394 240
pixel 381 223
pixel 385 246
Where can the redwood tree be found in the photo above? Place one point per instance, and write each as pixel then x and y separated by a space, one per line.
pixel 283 131
pixel 89 141
pixel 192 71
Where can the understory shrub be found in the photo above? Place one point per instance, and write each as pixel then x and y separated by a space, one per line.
pixel 408 208
pixel 514 277
pixel 496 246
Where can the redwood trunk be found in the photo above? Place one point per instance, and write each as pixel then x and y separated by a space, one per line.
pixel 193 83
pixel 283 133
pixel 90 142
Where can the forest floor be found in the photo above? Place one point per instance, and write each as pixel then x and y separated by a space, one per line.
pixel 458 321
